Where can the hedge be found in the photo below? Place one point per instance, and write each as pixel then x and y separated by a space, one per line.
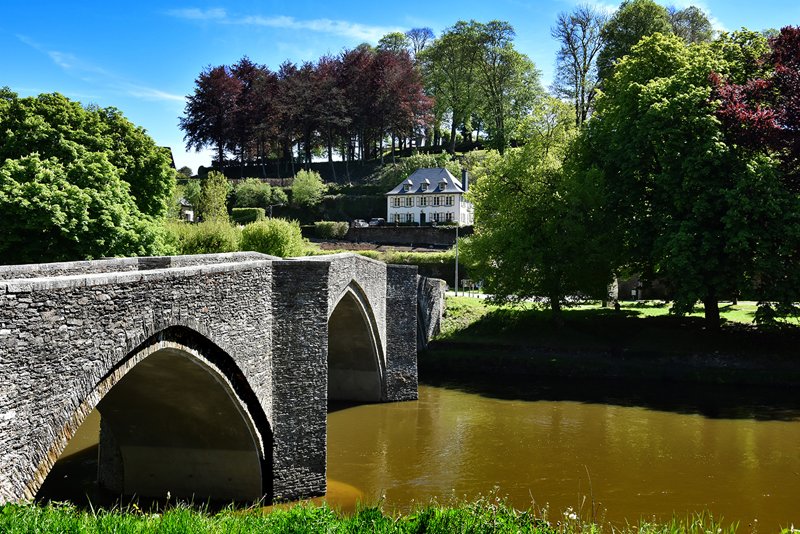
pixel 248 215
pixel 330 229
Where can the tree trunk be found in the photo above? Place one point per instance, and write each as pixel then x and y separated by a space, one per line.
pixel 453 137
pixel 555 308
pixel 330 155
pixel 711 312
pixel 393 160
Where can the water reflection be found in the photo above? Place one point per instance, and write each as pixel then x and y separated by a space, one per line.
pixel 709 400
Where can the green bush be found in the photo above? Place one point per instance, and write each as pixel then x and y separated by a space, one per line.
pixel 248 215
pixel 330 229
pixel 207 237
pixel 277 237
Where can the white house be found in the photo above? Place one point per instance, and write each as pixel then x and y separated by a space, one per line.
pixel 430 195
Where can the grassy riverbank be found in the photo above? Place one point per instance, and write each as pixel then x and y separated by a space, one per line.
pixel 641 341
pixel 483 516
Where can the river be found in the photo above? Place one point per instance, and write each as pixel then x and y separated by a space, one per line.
pixel 648 452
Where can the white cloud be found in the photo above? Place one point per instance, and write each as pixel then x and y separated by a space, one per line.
pixel 353 30
pixel 149 93
pixel 199 14
pixel 99 76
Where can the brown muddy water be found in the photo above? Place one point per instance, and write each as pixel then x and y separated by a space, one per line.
pixel 650 453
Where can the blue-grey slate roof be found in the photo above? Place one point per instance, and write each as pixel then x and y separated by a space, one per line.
pixel 439 181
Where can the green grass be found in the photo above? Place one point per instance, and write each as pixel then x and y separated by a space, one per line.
pixel 486 515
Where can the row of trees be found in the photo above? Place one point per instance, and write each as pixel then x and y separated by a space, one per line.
pixel 687 172
pixel 406 90
pixel 349 104
pixel 591 42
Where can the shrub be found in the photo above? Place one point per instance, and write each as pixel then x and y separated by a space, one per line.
pixel 307 188
pixel 247 215
pixel 330 229
pixel 207 237
pixel 277 237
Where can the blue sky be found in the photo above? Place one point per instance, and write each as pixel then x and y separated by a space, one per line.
pixel 143 57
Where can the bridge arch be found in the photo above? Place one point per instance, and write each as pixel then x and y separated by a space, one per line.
pixel 356 360
pixel 178 416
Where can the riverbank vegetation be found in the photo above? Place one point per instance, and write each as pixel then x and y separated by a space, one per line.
pixel 481 516
pixel 641 341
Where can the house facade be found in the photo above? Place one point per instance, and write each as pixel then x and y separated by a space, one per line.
pixel 430 195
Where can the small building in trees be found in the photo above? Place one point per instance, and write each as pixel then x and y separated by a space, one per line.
pixel 430 196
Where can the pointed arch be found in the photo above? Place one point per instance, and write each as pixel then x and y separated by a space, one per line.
pixel 177 415
pixel 356 360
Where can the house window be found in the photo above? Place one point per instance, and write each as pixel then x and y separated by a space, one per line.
pixel 449 201
pixel 423 201
pixel 409 202
pixel 409 217
pixel 449 216
pixel 423 187
pixel 397 202
pixel 406 188
pixel 437 200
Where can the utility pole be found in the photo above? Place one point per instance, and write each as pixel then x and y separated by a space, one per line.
pixel 457 224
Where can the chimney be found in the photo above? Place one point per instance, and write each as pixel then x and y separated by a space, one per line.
pixel 464 180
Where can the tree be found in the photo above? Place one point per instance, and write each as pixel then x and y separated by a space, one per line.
pixel 419 39
pixel 185 172
pixel 536 222
pixel 633 20
pixel 691 25
pixel 210 113
pixel 509 81
pixel 307 188
pixel 578 34
pixel 692 207
pixel 394 42
pixel 67 174
pixel 214 190
pixel 451 68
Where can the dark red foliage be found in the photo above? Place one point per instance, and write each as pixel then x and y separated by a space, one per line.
pixel 354 99
pixel 765 113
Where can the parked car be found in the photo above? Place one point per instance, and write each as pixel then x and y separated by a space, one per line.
pixel 360 223
pixel 377 221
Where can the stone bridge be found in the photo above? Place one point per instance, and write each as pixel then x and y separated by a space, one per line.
pixel 211 373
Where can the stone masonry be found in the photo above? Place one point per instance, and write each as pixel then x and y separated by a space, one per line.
pixel 256 325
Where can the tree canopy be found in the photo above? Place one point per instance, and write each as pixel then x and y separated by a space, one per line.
pixel 77 182
pixel 692 207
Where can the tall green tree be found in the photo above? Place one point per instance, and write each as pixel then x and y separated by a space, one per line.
pixel 692 207
pixel 633 20
pixel 77 182
pixel 691 25
pixel 451 66
pixel 508 79
pixel 536 221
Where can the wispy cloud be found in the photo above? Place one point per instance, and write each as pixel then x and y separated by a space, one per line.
pixel 98 76
pixel 353 30
pixel 199 14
